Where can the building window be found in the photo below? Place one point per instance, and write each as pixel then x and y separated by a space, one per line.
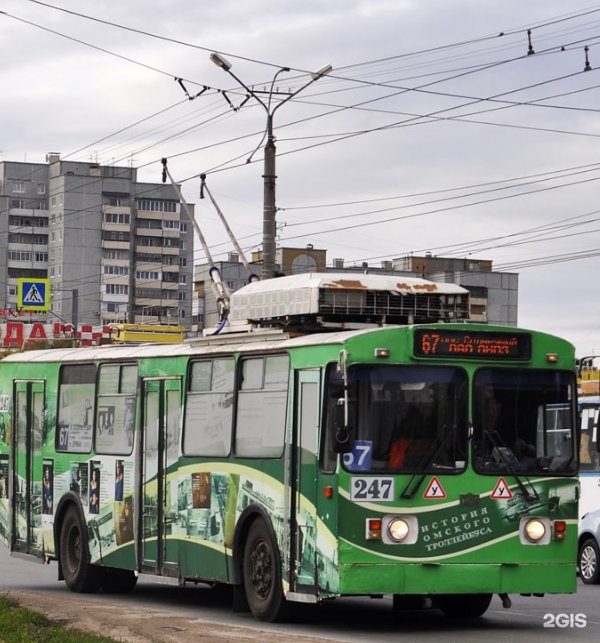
pixel 109 235
pixel 113 217
pixel 31 239
pixel 117 289
pixel 117 200
pixel 19 255
pixel 154 205
pixel 122 271
pixel 109 253
pixel 19 186
pixel 41 188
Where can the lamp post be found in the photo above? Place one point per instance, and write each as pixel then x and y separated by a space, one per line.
pixel 269 176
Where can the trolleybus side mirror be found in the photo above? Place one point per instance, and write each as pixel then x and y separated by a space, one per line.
pixel 341 429
pixel 341 442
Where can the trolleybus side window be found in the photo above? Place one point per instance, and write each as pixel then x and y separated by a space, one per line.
pixel 524 421
pixel 75 413
pixel 209 408
pixel 115 408
pixel 262 406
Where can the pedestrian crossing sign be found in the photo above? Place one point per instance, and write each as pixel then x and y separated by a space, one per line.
pixel 33 294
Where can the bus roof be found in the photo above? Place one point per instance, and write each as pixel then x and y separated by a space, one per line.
pixel 252 341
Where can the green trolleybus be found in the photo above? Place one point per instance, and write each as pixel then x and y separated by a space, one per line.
pixel 346 437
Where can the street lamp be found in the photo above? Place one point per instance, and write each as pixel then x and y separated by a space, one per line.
pixel 269 176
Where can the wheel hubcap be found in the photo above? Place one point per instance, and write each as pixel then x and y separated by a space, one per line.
pixel 74 549
pixel 587 562
pixel 261 570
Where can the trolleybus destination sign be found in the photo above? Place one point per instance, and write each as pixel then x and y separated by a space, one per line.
pixel 488 344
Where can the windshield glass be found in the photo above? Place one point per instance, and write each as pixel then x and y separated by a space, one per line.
pixel 405 419
pixel 523 421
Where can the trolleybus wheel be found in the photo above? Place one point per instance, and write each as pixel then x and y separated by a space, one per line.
pixel 262 574
pixel 588 559
pixel 463 605
pixel 119 581
pixel 79 574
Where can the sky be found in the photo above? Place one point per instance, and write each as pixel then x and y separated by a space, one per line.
pixel 464 128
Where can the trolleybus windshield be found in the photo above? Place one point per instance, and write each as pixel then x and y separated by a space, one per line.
pixel 524 421
pixel 405 418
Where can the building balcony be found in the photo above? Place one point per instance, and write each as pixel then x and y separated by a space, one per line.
pixel 115 209
pixel 115 245
pixel 148 232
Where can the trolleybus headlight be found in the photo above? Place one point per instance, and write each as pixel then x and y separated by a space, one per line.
pixel 398 529
pixel 534 531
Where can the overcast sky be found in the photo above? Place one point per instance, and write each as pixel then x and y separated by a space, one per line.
pixel 435 131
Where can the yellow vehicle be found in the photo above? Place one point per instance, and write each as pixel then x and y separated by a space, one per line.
pixel 125 333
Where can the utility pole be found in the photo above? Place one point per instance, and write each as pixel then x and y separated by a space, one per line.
pixel 269 206
pixel 75 314
pixel 269 174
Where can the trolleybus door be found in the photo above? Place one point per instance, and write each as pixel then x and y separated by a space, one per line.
pixel 159 451
pixel 304 567
pixel 32 480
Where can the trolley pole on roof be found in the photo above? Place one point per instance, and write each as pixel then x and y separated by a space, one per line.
pixel 269 176
pixel 220 289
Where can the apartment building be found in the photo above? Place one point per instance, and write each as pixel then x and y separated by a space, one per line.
pixel 112 247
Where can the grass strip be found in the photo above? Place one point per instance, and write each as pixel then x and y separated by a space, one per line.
pixel 22 625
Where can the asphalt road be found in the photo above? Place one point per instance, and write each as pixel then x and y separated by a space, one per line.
pixel 161 611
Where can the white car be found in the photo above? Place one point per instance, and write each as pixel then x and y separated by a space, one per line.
pixel 588 558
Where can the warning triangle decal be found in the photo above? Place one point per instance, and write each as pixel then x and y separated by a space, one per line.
pixel 501 491
pixel 434 489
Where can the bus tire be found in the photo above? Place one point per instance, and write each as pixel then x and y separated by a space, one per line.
pixel 262 574
pixel 587 560
pixel 79 574
pixel 463 605
pixel 119 581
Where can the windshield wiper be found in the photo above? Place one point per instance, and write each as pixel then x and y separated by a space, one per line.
pixel 512 465
pixel 430 455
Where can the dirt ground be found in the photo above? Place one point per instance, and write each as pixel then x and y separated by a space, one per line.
pixel 143 625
